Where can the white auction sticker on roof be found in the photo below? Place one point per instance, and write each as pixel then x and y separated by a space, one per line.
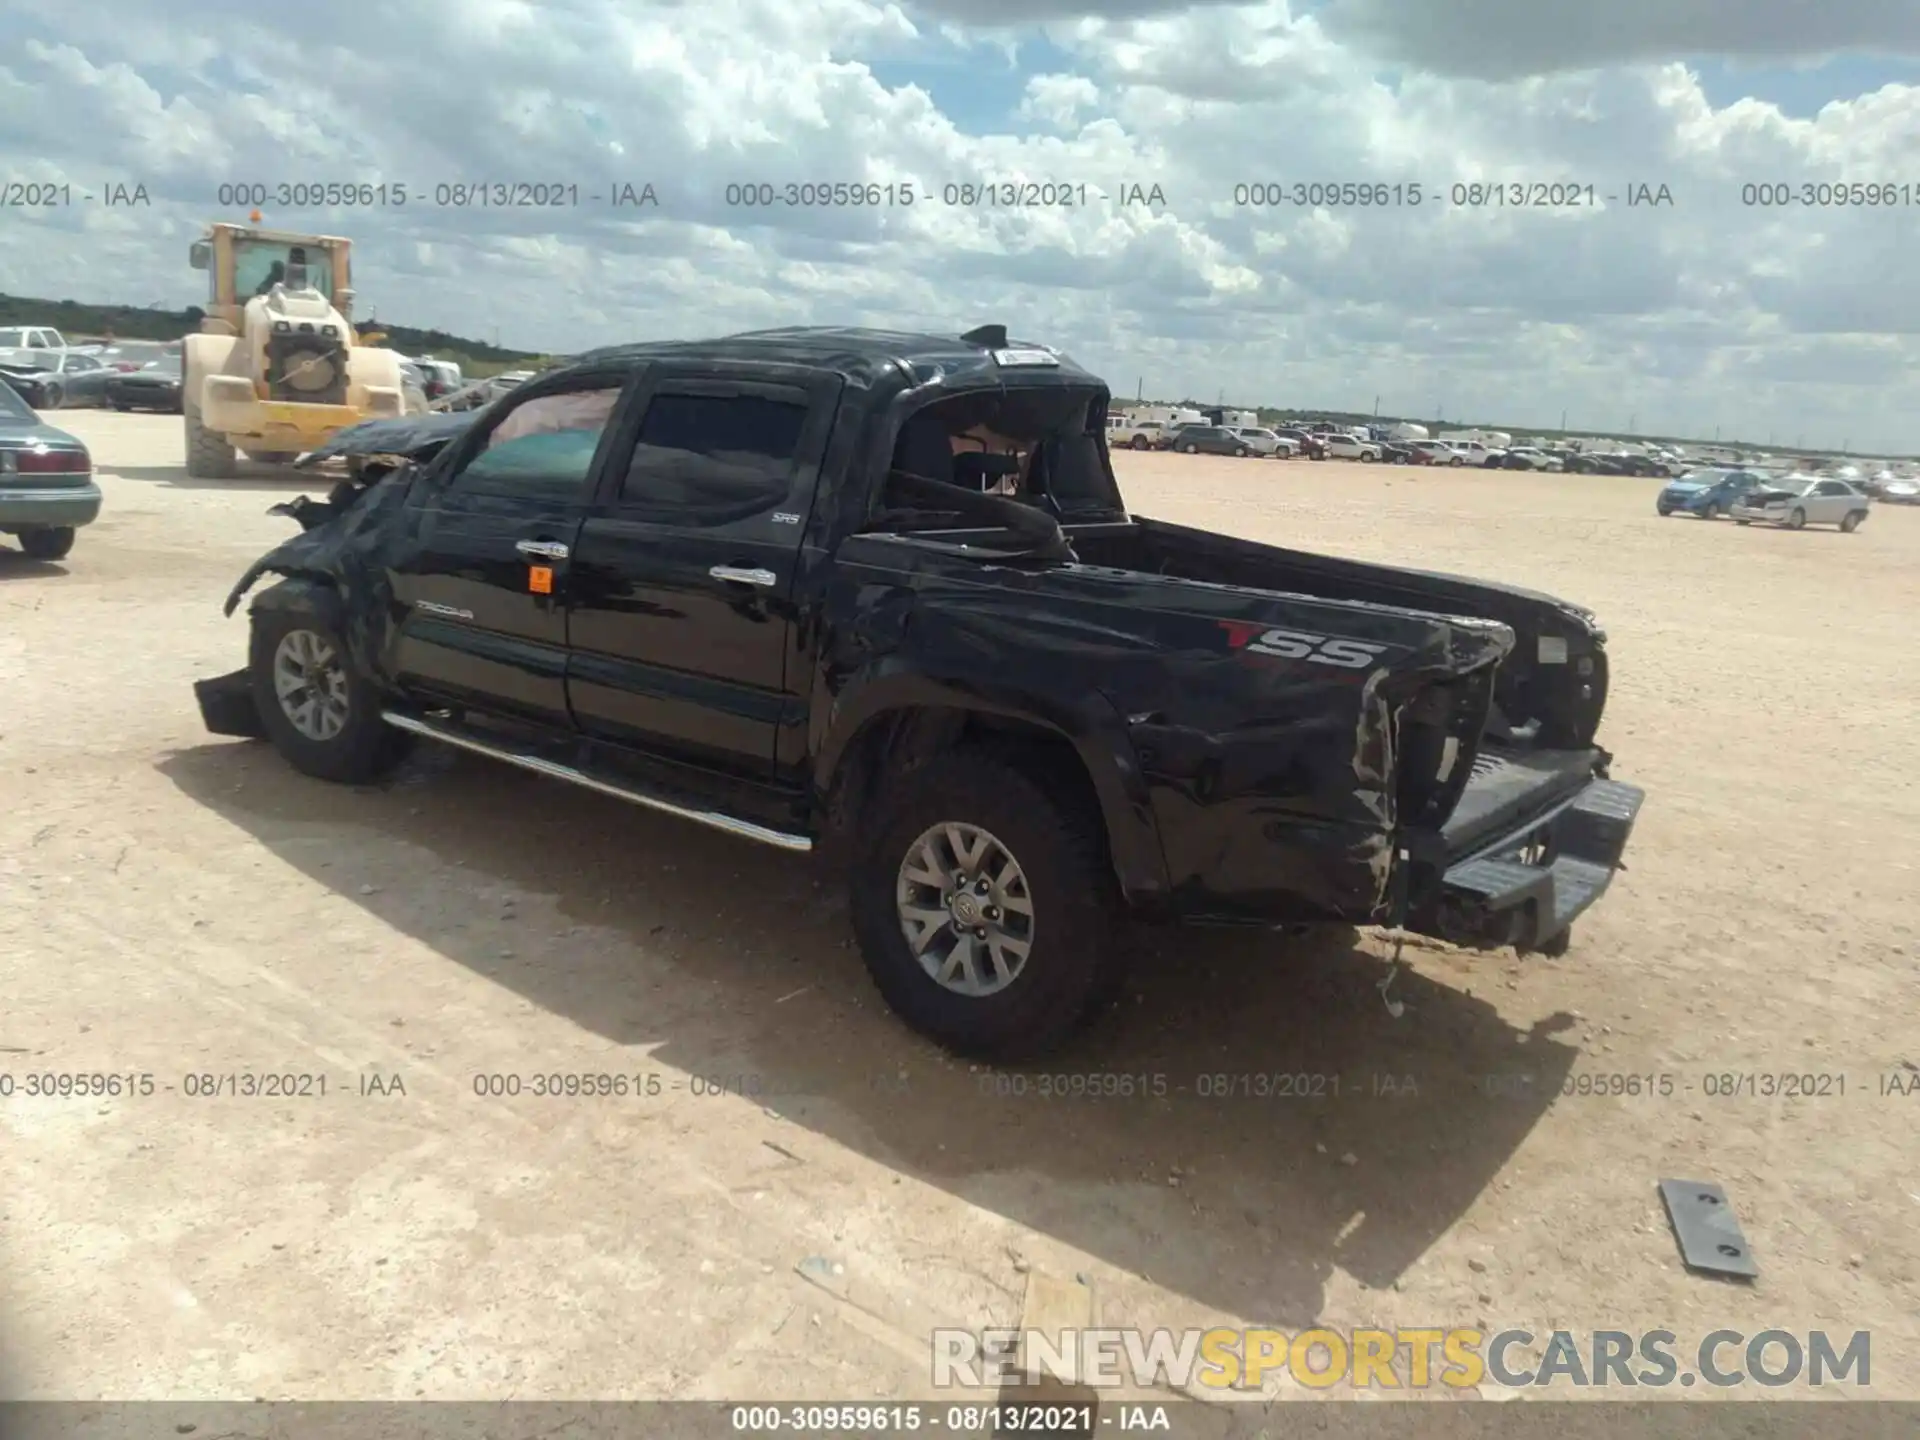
pixel 1025 357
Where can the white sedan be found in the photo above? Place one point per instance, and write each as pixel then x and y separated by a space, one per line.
pixel 1265 442
pixel 1797 501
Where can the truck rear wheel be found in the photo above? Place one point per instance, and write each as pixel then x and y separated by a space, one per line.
pixel 320 713
pixel 984 908
pixel 209 456
pixel 273 457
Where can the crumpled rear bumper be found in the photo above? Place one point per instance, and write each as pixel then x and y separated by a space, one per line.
pixel 1528 888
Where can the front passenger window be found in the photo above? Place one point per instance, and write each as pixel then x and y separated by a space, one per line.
pixel 543 446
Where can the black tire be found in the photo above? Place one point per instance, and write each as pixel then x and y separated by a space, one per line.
pixel 1189 450
pixel 1242 452
pixel 122 406
pixel 1797 520
pixel 47 542
pixel 1058 845
pixel 1457 461
pixel 55 398
pixel 209 456
pixel 1712 512
pixel 1140 442
pixel 365 748
pixel 1558 945
pixel 1739 521
pixel 1852 521
pixel 1665 510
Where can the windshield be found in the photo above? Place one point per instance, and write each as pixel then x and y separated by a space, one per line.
pixel 28 360
pixel 12 407
pixel 258 265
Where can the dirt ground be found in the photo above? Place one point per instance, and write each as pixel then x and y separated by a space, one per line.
pixel 181 905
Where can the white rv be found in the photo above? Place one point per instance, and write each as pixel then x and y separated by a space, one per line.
pixel 1405 434
pixel 1168 417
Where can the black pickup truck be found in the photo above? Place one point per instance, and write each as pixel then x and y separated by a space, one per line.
pixel 877 595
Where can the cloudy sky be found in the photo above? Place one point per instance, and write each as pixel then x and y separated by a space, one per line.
pixel 1799 321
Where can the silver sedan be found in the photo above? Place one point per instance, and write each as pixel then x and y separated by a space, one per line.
pixel 1797 501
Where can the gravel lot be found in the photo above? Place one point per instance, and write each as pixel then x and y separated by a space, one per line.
pixel 179 904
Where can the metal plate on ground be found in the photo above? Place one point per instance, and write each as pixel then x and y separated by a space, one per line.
pixel 1703 1222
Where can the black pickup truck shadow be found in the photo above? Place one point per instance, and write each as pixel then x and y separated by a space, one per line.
pixel 1257 1065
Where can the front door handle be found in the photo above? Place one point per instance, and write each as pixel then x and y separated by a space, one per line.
pixel 738 576
pixel 545 549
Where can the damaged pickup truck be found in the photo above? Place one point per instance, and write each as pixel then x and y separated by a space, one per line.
pixel 877 595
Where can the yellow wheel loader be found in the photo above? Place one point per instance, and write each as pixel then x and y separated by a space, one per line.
pixel 276 369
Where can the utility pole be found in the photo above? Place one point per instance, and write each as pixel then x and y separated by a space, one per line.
pixel 1563 422
pixel 1633 424
pixel 1376 407
pixel 1140 389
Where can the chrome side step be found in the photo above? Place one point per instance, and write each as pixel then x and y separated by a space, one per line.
pixel 540 765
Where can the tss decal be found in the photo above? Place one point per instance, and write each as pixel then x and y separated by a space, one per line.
pixel 1300 645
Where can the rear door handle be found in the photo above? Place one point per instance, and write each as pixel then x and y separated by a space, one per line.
pixel 738 576
pixel 545 549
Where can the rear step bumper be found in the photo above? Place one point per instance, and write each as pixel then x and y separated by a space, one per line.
pixel 1527 890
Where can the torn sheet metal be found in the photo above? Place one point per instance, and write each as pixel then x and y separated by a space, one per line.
pixel 1704 1224
pixel 413 436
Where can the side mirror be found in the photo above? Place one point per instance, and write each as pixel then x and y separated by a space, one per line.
pixel 200 255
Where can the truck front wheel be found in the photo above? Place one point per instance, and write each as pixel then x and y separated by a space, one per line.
pixel 984 908
pixel 321 714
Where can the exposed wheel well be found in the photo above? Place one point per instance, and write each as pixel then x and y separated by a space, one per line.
pixel 895 742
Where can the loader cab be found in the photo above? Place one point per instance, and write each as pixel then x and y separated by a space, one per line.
pixel 242 263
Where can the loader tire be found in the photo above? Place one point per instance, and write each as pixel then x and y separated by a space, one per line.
pixel 209 456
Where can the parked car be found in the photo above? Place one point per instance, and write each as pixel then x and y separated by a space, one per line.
pixel 1311 446
pixel 1352 447
pixel 1646 465
pixel 1207 440
pixel 1802 500
pixel 1526 457
pixel 1596 463
pixel 154 386
pixel 32 337
pixel 1706 493
pixel 1900 492
pixel 47 491
pixel 1266 442
pixel 1399 452
pixel 1137 435
pixel 1437 452
pixel 56 379
pixel 873 657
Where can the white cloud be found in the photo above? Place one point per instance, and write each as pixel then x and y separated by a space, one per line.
pixel 1702 313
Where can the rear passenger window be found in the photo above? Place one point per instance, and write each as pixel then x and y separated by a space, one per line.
pixel 542 447
pixel 710 457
